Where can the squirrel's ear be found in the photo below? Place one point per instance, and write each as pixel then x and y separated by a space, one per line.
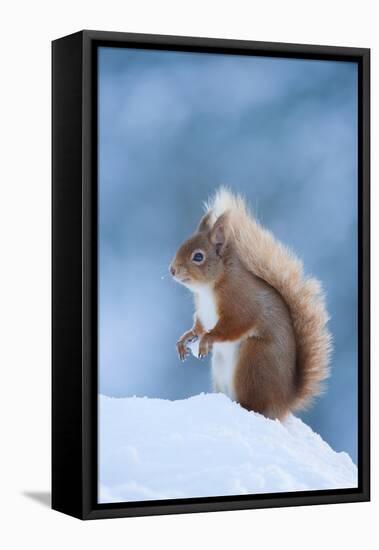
pixel 219 233
pixel 205 222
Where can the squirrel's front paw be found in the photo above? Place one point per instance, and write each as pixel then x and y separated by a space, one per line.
pixel 182 349
pixel 205 345
pixel 182 344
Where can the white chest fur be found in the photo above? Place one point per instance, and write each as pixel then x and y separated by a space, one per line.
pixel 224 355
pixel 206 307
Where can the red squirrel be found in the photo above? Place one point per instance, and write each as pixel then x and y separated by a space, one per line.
pixel 263 320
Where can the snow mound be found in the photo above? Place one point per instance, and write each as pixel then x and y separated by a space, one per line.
pixel 208 445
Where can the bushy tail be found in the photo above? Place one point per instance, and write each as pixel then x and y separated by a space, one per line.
pixel 268 259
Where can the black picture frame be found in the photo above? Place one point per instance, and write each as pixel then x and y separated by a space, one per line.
pixel 74 273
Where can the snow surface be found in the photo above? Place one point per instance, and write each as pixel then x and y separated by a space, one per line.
pixel 208 445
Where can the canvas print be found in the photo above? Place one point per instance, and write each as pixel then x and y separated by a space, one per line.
pixel 227 274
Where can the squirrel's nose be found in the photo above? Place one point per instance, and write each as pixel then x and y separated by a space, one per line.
pixel 172 270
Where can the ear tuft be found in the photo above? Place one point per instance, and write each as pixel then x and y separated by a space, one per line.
pixel 205 222
pixel 219 233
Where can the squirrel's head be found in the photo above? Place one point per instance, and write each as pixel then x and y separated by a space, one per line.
pixel 199 260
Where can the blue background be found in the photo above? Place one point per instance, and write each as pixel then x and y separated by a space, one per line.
pixel 172 128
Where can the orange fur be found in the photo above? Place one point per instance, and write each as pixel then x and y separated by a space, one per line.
pixel 271 261
pixel 264 320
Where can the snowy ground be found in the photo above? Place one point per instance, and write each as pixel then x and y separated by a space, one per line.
pixel 207 446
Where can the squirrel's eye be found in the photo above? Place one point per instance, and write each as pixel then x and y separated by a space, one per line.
pixel 198 257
